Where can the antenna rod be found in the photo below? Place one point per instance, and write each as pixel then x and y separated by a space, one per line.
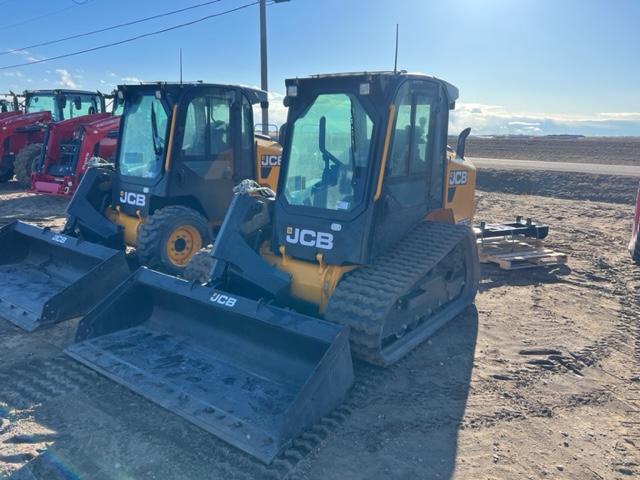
pixel 395 63
pixel 180 66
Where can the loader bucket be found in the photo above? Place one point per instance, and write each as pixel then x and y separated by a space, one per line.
pixel 252 374
pixel 47 277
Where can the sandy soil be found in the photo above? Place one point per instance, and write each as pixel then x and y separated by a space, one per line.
pixel 540 379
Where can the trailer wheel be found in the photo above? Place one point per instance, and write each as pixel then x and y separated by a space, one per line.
pixel 170 237
pixel 199 267
pixel 26 163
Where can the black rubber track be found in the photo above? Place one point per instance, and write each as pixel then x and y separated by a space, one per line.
pixel 364 300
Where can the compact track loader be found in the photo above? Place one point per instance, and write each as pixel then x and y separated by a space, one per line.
pixel 180 150
pixel 368 237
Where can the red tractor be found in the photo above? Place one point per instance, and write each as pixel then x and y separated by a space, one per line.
pixel 9 105
pixel 41 107
pixel 69 148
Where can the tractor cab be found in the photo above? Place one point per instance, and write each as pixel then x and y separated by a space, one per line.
pixel 64 104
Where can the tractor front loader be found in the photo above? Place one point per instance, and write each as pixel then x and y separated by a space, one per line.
pixel 59 163
pixel 180 150
pixel 368 237
pixel 23 130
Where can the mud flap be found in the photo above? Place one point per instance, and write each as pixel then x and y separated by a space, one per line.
pixel 250 373
pixel 47 277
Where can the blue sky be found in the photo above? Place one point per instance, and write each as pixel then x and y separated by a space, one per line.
pixel 522 66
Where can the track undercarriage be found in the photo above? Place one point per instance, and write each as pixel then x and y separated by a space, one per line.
pixel 397 302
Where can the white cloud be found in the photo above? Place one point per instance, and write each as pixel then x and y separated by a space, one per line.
pixel 65 79
pixel 277 111
pixel 495 119
pixel 131 80
pixel 17 52
pixel 630 115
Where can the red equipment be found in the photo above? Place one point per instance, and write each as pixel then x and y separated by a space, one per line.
pixel 58 164
pixel 40 108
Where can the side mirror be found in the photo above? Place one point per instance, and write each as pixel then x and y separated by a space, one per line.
pixel 62 101
pixel 77 103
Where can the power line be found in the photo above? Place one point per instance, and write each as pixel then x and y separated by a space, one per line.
pixel 108 28
pixel 6 27
pixel 130 39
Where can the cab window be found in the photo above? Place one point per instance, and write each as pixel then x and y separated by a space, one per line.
pixel 409 156
pixel 207 147
pixel 329 154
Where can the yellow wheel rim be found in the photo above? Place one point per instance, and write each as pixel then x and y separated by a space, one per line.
pixel 184 242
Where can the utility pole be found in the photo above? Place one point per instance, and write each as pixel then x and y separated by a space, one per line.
pixel 263 64
pixel 263 61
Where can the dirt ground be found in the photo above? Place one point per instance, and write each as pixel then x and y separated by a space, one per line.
pixel 540 379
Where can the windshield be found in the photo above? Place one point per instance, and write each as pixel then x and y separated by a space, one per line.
pixel 64 105
pixel 142 137
pixel 328 161
pixel 41 103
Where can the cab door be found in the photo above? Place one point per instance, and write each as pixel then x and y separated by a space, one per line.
pixel 212 148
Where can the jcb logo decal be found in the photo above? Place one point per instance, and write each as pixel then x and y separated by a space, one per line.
pixel 132 198
pixel 458 177
pixel 309 238
pixel 59 238
pixel 271 160
pixel 225 300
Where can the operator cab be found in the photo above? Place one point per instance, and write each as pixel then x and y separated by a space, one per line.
pixel 193 141
pixel 364 162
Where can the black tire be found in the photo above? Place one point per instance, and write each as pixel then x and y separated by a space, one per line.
pixel 26 162
pixel 199 267
pixel 170 237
